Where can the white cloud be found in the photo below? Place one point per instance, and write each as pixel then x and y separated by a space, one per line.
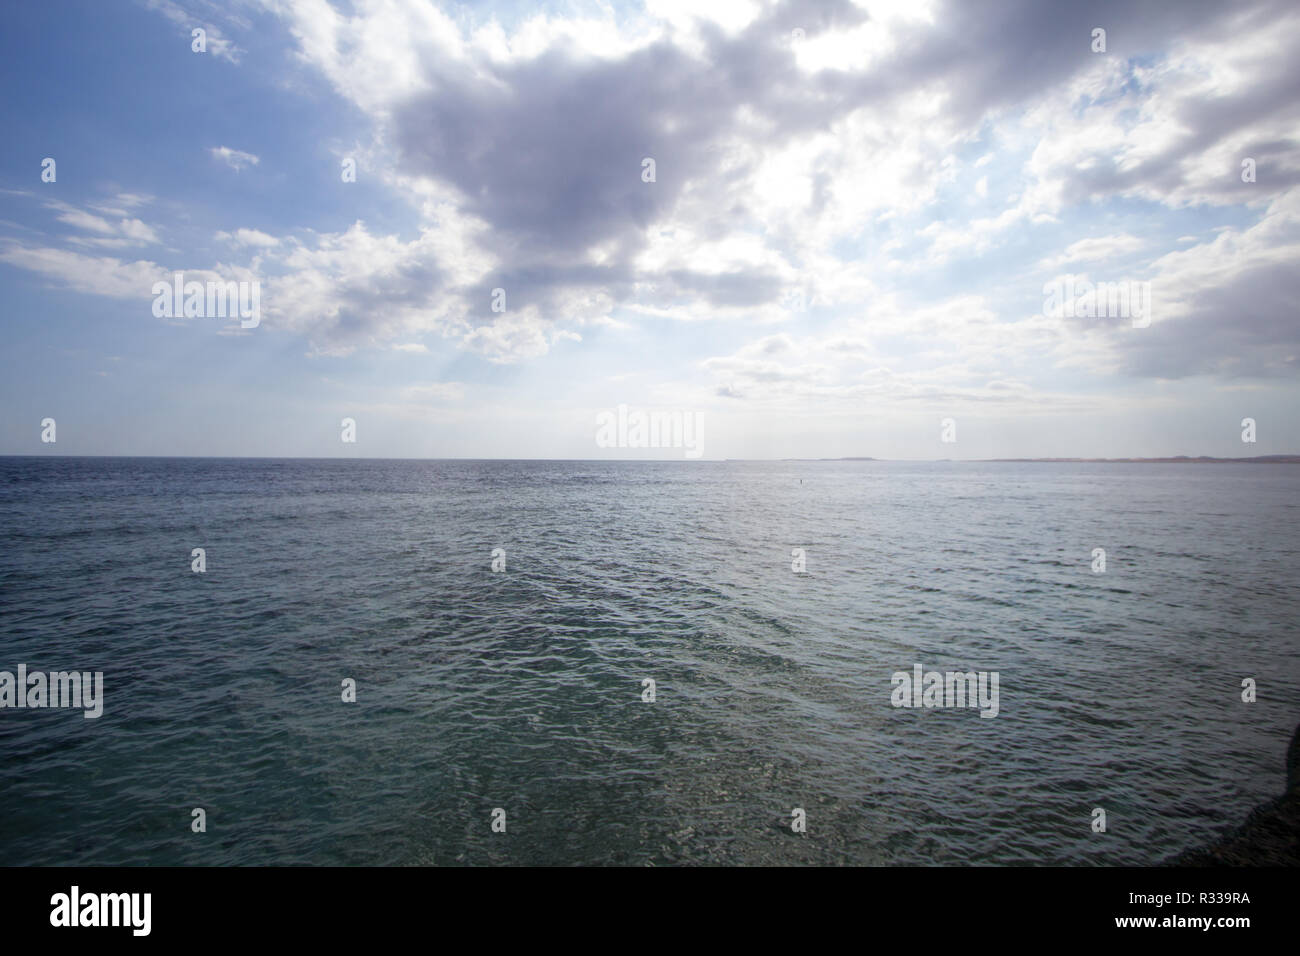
pixel 91 274
pixel 248 237
pixel 120 205
pixel 184 15
pixel 236 159
pixel 1096 249
pixel 861 161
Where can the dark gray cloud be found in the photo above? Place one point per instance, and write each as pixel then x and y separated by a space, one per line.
pixel 1244 327
pixel 548 151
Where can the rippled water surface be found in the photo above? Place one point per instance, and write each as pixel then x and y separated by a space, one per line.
pixel 522 689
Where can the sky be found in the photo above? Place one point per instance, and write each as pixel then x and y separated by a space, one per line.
pixel 807 229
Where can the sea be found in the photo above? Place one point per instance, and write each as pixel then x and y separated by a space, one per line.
pixel 395 662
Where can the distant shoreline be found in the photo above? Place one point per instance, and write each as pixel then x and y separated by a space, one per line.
pixel 1175 460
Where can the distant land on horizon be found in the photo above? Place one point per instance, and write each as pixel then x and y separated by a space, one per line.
pixel 1179 459
pixel 1176 459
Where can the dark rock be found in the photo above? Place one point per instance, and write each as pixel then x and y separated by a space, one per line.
pixel 1269 837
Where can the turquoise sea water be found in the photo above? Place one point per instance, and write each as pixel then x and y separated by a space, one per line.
pixel 522 690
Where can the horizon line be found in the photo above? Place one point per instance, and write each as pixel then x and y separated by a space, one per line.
pixel 1283 458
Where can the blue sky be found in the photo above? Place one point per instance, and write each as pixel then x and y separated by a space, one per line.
pixel 856 214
